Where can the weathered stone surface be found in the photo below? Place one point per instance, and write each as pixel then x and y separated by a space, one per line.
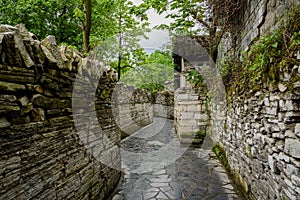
pixel 48 55
pixel 282 87
pixel 24 32
pixel 292 147
pixel 10 98
pixel 7 28
pixel 39 89
pixel 164 105
pixel 273 136
pixel 297 129
pixel 38 114
pixel 264 125
pixel 20 45
pixel 191 115
pixel 132 108
pixel 1 39
pixel 45 102
pixel 40 137
pixel 24 100
pixel 4 123
pixel 5 86
pixel 6 107
pixel 53 53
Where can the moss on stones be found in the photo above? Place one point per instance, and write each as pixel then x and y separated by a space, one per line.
pixel 240 184
pixel 267 59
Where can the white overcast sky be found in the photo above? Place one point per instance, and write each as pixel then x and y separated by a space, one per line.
pixel 157 38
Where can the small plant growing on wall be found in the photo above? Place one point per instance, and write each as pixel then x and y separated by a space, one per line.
pixel 269 56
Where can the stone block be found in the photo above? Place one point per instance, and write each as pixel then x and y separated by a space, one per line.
pixel 9 98
pixel 194 108
pixel 204 123
pixel 1 40
pixel 292 147
pixel 295 180
pixel 289 133
pixel 289 195
pixel 182 96
pixel 186 115
pixel 266 101
pixel 187 123
pixel 282 105
pixel 282 87
pixel 4 123
pixel 201 117
pixel 12 87
pixel 271 111
pixel 292 170
pixel 282 126
pixel 6 107
pixel 284 157
pixel 274 104
pixel 22 49
pixel 289 105
pixel 24 101
pixel 272 164
pixel 274 97
pixel 278 135
pixel 297 129
pixel 182 130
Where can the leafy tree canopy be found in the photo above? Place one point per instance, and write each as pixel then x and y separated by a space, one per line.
pixel 127 27
pixel 44 17
pixel 153 72
pixel 206 20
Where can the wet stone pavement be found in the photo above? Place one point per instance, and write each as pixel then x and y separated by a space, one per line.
pixel 156 166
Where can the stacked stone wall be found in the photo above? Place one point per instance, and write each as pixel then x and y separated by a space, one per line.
pixel 58 135
pixel 260 131
pixel 262 17
pixel 262 141
pixel 133 108
pixel 164 105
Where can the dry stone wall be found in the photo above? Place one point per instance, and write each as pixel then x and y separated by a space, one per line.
pixel 260 132
pixel 262 141
pixel 58 135
pixel 263 16
pixel 133 108
pixel 259 18
pixel 164 104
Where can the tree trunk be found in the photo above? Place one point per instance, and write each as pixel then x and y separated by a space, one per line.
pixel 119 66
pixel 87 6
pixel 120 48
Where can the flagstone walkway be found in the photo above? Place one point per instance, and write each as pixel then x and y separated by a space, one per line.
pixel 156 167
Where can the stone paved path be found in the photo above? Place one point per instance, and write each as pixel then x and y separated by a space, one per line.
pixel 156 166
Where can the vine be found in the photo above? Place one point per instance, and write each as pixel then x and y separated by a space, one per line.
pixel 198 82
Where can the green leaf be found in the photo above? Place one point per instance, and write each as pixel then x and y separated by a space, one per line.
pixel 275 45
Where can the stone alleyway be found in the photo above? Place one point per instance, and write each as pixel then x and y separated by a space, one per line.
pixel 156 166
